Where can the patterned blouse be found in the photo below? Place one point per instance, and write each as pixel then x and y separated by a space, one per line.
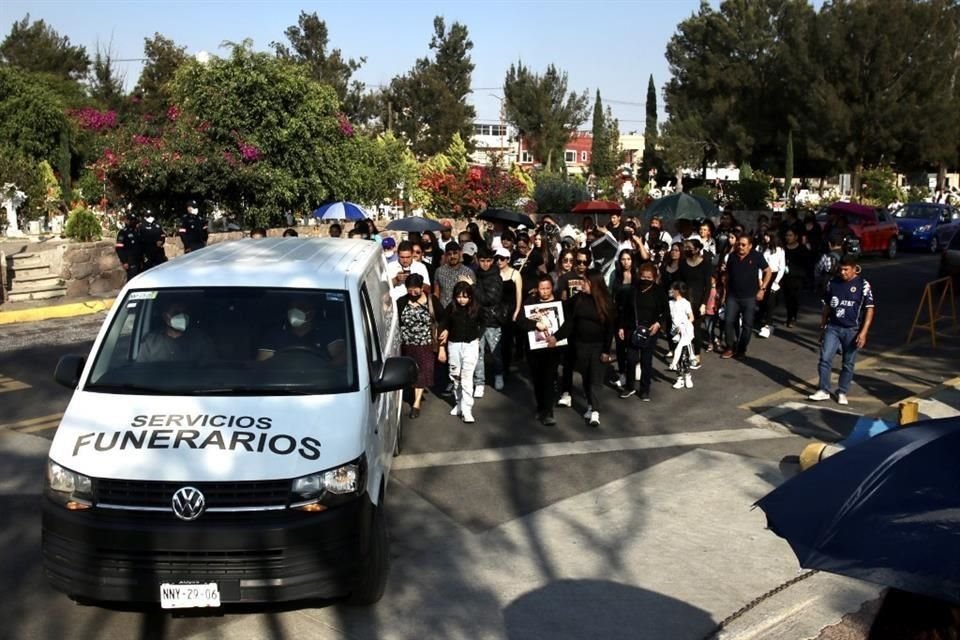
pixel 415 325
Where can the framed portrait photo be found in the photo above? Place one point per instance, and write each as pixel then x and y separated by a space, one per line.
pixel 550 316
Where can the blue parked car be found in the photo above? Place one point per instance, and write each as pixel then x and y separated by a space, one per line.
pixel 925 225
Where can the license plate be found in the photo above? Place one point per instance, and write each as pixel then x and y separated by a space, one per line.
pixel 188 595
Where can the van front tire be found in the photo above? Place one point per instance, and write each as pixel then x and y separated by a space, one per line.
pixel 371 582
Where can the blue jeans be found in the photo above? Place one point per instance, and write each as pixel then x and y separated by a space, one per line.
pixel 732 311
pixel 490 338
pixel 843 339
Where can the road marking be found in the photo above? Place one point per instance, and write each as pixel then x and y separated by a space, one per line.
pixel 32 425
pixel 9 384
pixel 583 447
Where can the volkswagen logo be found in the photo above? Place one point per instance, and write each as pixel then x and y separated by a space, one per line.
pixel 188 503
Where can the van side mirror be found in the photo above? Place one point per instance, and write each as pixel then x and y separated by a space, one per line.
pixel 398 373
pixel 68 370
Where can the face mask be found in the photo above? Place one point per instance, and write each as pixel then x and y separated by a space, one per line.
pixel 297 318
pixel 646 284
pixel 179 322
pixel 690 253
pixel 149 219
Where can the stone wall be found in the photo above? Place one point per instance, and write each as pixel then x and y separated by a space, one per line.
pixel 88 268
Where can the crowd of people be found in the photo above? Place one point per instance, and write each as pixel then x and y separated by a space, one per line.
pixel 475 306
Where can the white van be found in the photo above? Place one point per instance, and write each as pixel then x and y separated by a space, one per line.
pixel 231 435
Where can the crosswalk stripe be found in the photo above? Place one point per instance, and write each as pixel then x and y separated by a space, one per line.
pixel 554 449
pixel 43 426
pixel 28 422
pixel 10 384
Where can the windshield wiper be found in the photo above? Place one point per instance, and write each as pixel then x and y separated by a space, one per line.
pixel 250 390
pixel 129 386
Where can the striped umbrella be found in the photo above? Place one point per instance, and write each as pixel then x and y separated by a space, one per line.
pixel 340 211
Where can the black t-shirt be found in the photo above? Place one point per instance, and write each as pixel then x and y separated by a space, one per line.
pixel 744 274
pixel 698 282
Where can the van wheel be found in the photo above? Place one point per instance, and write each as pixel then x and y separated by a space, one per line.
pixel 891 251
pixel 372 580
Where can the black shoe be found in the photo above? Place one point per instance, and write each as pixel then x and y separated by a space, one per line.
pixel 414 413
pixel 645 396
pixel 627 393
pixel 548 420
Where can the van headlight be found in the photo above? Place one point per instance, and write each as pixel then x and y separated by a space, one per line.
pixel 68 488
pixel 327 488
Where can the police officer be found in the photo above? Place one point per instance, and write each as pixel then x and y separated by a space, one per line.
pixel 152 239
pixel 193 229
pixel 129 247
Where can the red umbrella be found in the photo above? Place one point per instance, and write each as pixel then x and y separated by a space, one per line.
pixel 597 206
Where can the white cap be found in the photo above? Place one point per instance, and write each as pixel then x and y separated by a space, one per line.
pixel 469 248
pixel 503 253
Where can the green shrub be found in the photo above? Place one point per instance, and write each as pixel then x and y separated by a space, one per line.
pixel 751 194
pixel 553 194
pixel 878 187
pixel 83 225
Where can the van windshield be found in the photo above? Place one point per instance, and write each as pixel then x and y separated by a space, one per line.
pixel 228 341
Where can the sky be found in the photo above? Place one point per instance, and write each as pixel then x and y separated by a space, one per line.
pixel 612 46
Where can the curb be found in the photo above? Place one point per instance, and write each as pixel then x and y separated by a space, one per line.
pixel 57 311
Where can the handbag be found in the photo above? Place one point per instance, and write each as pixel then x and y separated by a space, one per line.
pixel 640 335
pixel 434 332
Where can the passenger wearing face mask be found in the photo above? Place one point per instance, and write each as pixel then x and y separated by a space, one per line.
pixel 307 327
pixel 176 340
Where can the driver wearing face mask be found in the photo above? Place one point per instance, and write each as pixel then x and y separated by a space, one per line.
pixel 176 340
pixel 307 328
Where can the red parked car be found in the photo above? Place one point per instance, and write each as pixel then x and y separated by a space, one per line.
pixel 874 228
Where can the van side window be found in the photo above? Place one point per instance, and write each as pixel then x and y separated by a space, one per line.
pixel 371 339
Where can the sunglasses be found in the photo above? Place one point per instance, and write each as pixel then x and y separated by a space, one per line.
pixel 583 262
pixel 502 258
pixel 567 260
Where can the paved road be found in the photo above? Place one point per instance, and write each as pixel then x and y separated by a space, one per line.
pixel 507 518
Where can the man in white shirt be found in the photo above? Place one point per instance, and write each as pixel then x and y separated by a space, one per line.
pixel 404 266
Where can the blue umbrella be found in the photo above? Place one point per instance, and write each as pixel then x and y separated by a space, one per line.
pixel 886 510
pixel 340 211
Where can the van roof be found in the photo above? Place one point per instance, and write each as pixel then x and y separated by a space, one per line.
pixel 309 263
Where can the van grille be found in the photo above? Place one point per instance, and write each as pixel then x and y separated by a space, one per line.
pixel 145 494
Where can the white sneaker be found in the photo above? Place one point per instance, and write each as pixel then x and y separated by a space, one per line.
pixel 588 413
pixel 594 419
pixel 842 398
pixel 671 368
pixel 695 363
pixel 478 391
pixel 455 411
pixel 765 331
pixel 468 418
pixel 565 400
pixel 819 395
pixel 688 380
pixel 498 382
pixel 621 382
pixel 679 384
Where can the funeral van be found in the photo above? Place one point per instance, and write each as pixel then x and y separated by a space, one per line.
pixel 231 433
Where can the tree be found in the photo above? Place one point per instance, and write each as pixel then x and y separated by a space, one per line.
pixel 650 128
pixel 428 105
pixel 744 72
pixel 106 82
pixel 682 145
pixel 33 121
pixel 886 86
pixel 788 170
pixel 163 58
pixel 602 153
pixel 39 48
pixel 309 42
pixel 544 114
pixel 253 134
